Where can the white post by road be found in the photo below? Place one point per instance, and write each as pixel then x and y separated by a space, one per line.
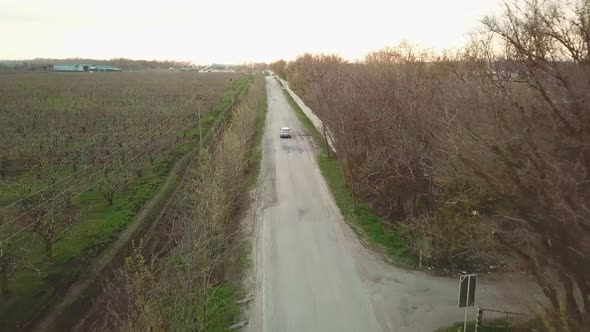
pixel 466 305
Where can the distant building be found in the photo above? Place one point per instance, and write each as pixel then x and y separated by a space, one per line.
pixel 181 69
pixel 215 68
pixel 104 68
pixel 71 67
pixel 83 68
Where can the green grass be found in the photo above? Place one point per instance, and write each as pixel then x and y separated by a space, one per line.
pixel 254 164
pixel 357 214
pixel 499 326
pixel 218 115
pixel 213 311
pixel 222 307
pixel 255 158
pixel 33 291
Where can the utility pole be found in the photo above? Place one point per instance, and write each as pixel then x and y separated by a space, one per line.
pixel 200 132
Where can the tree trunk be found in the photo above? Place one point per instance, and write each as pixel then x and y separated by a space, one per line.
pixel 545 285
pixel 585 290
pixel 4 280
pixel 571 306
pixel 326 139
pixel 3 165
pixel 353 190
pixel 49 250
pixel 110 197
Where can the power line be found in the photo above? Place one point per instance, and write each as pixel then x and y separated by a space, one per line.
pixel 77 184
pixel 197 96
pixel 64 204
pixel 98 161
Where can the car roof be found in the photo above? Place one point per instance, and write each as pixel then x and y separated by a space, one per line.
pixel 285 128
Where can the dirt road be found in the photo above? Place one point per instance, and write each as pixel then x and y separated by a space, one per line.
pixel 312 274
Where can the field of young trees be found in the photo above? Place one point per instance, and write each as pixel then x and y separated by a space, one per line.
pixel 196 286
pixel 79 155
pixel 474 154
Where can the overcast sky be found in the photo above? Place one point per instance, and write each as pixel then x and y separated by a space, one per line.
pixel 230 31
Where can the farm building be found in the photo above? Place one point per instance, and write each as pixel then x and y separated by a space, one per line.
pixel 71 67
pixel 103 68
pixel 83 68
pixel 215 68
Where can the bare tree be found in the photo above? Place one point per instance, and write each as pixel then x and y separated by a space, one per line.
pixel 279 67
pixel 13 255
pixel 51 221
pixel 8 150
pixel 502 128
pixel 114 178
pixel 534 148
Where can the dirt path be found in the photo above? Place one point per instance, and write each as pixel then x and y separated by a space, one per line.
pixel 312 274
pixel 80 297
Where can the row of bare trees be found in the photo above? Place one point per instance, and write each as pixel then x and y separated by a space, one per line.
pixel 125 64
pixel 205 236
pixel 74 121
pixel 488 145
pixel 63 139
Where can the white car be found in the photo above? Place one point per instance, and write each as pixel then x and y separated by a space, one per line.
pixel 285 132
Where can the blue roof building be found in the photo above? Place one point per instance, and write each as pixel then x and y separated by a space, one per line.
pixel 83 68
pixel 71 67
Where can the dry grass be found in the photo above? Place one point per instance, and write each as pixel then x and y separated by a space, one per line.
pixel 192 291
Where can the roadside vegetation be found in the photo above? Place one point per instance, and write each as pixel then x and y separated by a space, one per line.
pixel 80 158
pixel 480 155
pixel 255 158
pixel 471 327
pixel 497 325
pixel 196 285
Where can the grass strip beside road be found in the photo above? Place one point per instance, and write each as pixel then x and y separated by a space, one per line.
pixel 370 226
pixel 498 326
pixel 255 158
pixel 203 277
pixel 230 292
